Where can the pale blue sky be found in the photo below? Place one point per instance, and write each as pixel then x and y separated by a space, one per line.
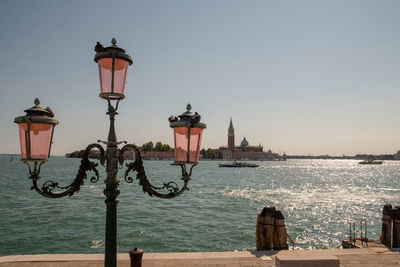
pixel 305 77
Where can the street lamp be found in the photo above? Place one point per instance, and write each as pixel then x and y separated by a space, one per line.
pixel 36 133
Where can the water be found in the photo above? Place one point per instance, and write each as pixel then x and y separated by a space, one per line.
pixel 317 198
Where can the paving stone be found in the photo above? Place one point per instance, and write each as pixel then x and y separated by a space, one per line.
pixel 306 261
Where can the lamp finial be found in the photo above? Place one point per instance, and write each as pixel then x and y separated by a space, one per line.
pixel 114 41
pixel 188 107
pixel 37 102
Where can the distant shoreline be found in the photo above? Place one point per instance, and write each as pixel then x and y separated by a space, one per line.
pixel 356 157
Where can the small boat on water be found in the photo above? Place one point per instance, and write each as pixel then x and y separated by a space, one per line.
pixel 236 164
pixel 374 162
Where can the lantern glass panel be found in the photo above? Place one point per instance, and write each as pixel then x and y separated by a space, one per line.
pixel 38 138
pixel 195 142
pixel 105 74
pixel 180 136
pixel 181 144
pixel 23 138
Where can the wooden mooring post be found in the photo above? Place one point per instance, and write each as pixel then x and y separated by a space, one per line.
pixel 279 240
pixel 271 230
pixel 265 228
pixel 396 227
pixel 386 235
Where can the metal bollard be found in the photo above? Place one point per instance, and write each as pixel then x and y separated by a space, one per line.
pixel 136 257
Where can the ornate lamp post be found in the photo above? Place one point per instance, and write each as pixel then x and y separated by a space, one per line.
pixel 36 133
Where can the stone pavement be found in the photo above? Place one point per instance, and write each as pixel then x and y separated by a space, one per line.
pixel 287 258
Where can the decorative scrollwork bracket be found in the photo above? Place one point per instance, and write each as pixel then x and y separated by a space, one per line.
pixel 137 165
pixel 47 188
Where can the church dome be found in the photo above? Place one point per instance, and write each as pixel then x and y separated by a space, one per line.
pixel 244 142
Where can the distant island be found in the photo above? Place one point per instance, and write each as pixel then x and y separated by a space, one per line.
pixel 79 154
pixel 209 155
pixel 159 151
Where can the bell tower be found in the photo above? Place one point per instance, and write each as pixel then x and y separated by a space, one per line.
pixel 231 136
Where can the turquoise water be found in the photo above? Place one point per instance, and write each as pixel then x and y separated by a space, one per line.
pixel 317 198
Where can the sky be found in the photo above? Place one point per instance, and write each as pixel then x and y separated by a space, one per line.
pixel 301 77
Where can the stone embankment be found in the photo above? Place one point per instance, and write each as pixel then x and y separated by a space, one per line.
pixel 299 258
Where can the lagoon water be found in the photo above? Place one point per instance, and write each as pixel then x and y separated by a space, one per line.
pixel 218 213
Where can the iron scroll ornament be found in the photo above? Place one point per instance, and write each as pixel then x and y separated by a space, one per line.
pixel 151 190
pixel 47 188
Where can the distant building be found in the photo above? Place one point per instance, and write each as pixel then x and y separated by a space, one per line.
pixel 244 151
pixel 397 155
pixel 150 155
pixel 157 155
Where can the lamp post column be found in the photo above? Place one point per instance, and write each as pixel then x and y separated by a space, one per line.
pixel 111 192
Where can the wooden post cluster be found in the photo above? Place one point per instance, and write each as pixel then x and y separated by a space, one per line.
pixel 271 230
pixel 390 235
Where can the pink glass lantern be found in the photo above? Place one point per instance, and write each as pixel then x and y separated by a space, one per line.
pixel 36 132
pixel 188 132
pixel 113 65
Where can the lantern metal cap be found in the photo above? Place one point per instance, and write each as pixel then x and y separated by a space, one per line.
pixel 37 114
pixel 187 119
pixel 112 51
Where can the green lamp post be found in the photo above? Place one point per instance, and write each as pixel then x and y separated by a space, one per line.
pixel 36 132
